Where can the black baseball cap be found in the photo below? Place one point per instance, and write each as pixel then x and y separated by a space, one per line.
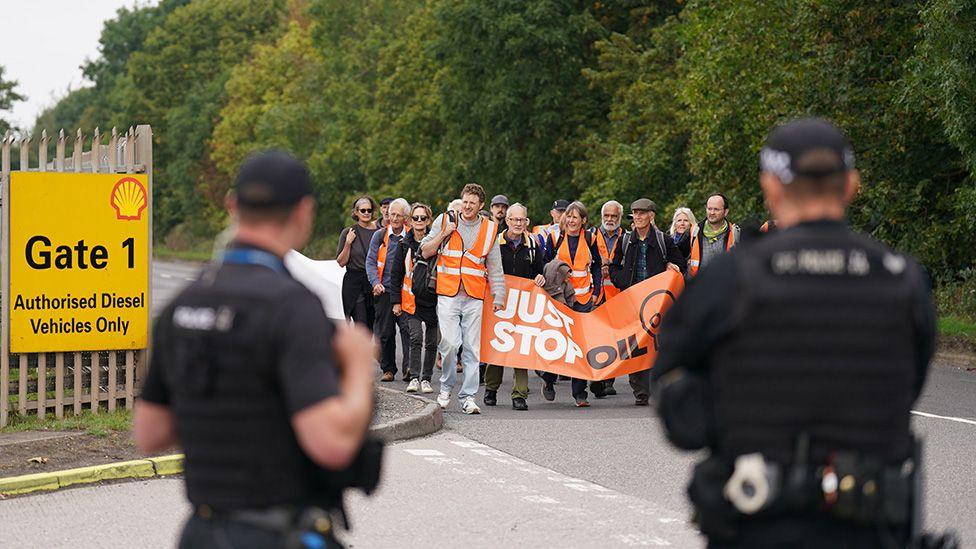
pixel 386 201
pixel 499 199
pixel 272 178
pixel 560 205
pixel 784 149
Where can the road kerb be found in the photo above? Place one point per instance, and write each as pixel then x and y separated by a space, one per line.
pixel 428 421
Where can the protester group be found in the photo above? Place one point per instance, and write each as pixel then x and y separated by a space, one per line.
pixel 426 277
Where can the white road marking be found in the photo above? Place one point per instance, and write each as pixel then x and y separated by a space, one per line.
pixel 948 418
pixel 423 452
pixel 165 275
pixel 641 540
pixel 541 499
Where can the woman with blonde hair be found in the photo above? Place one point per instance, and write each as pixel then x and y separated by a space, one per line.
pixel 684 227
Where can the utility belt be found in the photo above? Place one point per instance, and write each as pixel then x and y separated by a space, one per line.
pixel 301 527
pixel 852 488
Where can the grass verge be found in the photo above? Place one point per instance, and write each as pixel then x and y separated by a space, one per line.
pixel 162 252
pixel 100 424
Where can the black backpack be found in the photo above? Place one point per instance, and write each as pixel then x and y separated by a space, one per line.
pixel 424 279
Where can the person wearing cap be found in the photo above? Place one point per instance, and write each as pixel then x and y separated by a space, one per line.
pixel 716 235
pixel 469 270
pixel 557 211
pixel 384 208
pixel 796 361
pixel 639 254
pixel 247 375
pixel 499 205
pixel 382 252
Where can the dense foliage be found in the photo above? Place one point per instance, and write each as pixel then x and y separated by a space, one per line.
pixel 547 99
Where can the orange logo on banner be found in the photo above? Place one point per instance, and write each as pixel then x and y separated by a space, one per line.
pixel 129 199
pixel 536 332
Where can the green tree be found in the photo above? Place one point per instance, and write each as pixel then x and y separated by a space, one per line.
pixel 178 79
pixel 8 96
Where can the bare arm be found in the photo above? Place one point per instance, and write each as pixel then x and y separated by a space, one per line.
pixel 153 427
pixel 345 244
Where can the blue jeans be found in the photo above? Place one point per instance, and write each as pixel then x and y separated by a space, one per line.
pixel 459 319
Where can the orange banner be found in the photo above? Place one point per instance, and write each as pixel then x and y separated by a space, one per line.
pixel 536 332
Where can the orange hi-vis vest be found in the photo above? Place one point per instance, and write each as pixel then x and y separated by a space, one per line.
pixel 579 275
pixel 381 252
pixel 696 248
pixel 407 300
pixel 607 290
pixel 457 266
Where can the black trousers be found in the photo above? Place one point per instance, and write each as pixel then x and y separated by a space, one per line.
pixel 385 329
pixel 357 298
pixel 579 385
pixel 215 533
pixel 424 336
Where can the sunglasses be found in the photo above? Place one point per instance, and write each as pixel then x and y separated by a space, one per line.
pixel 365 210
pixel 420 218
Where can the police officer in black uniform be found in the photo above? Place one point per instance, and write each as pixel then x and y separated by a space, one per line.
pixel 268 399
pixel 796 361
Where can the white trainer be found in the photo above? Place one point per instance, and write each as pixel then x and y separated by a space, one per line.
pixel 413 386
pixel 469 406
pixel 425 387
pixel 444 399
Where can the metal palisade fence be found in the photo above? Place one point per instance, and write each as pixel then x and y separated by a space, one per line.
pixel 44 382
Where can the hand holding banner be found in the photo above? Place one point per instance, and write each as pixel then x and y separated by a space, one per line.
pixel 536 332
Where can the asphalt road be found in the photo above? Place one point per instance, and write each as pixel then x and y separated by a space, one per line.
pixel 555 475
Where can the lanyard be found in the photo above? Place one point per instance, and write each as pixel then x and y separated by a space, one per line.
pixel 251 256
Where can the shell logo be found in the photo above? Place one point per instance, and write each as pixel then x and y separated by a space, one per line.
pixel 129 199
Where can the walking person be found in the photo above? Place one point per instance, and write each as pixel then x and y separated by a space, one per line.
pixel 351 252
pixel 521 257
pixel 606 236
pixel 263 394
pixel 643 252
pixel 716 235
pixel 468 265
pixel 574 247
pixel 417 305
pixel 382 249
pixel 684 227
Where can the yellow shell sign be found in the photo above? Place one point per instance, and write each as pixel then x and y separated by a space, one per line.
pixel 79 261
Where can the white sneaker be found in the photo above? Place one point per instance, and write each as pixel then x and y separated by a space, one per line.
pixel 413 386
pixel 469 406
pixel 444 399
pixel 425 387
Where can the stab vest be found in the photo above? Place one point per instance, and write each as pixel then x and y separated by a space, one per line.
pixel 241 450
pixel 826 345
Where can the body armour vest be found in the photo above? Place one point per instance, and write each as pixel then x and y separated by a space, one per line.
pixel 241 451
pixel 824 344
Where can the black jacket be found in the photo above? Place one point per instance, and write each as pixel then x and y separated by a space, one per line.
pixel 683 243
pixel 515 260
pixel 400 269
pixel 623 267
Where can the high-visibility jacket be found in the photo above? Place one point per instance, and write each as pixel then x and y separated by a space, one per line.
pixel 731 239
pixel 546 230
pixel 381 252
pixel 457 266
pixel 579 275
pixel 407 300
pixel 607 290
